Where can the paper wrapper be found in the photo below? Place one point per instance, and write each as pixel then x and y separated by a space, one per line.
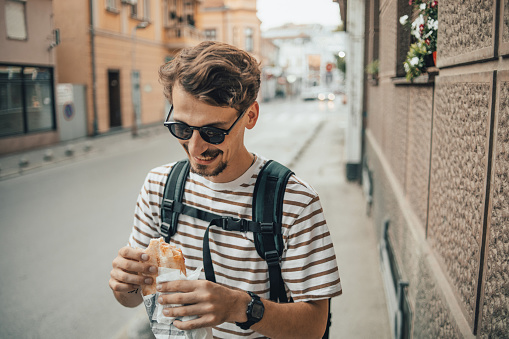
pixel 162 326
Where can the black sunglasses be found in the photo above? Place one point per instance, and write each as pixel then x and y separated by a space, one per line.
pixel 212 135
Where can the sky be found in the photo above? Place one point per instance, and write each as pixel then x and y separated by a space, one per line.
pixel 275 13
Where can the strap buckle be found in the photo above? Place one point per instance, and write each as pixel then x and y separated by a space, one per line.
pixel 234 224
pixel 272 258
pixel 267 228
pixel 165 229
pixel 168 204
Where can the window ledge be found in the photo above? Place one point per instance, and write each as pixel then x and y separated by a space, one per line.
pixel 113 10
pixel 425 79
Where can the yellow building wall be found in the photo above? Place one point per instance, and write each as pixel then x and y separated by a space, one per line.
pixel 117 54
pixel 241 14
pixel 115 41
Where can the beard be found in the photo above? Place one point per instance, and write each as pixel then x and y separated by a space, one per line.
pixel 205 170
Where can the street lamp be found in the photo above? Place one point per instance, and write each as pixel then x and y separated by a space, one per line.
pixel 135 80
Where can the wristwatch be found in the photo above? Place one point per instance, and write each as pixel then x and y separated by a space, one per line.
pixel 254 312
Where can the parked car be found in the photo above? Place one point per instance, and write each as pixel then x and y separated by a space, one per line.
pixel 318 93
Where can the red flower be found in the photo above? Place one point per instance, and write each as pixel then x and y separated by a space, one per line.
pixel 427 41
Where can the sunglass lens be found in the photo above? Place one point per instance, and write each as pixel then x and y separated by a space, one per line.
pixel 181 131
pixel 211 136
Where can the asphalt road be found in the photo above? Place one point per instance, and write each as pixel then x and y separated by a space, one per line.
pixel 61 227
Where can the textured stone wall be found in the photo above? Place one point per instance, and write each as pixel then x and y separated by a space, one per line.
pixel 396 136
pixel 435 154
pixel 505 21
pixel 432 318
pixel 495 308
pixel 458 179
pixel 462 36
pixel 418 149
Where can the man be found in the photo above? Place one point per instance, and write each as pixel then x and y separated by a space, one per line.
pixel 213 88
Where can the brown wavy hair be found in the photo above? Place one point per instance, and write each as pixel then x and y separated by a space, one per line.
pixel 215 73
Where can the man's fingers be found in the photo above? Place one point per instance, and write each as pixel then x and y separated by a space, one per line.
pixel 133 254
pixel 204 321
pixel 130 278
pixel 133 266
pixel 181 285
pixel 118 286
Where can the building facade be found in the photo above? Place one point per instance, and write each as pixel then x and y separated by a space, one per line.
pixel 307 56
pixel 27 75
pixel 115 48
pixel 436 164
pixel 232 21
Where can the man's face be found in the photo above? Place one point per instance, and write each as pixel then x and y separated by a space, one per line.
pixel 219 163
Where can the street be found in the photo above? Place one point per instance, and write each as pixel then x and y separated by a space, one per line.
pixel 62 226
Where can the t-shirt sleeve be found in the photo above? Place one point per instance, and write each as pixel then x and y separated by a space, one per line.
pixel 146 213
pixel 309 267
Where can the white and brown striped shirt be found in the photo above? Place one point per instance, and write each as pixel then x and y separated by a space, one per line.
pixel 308 263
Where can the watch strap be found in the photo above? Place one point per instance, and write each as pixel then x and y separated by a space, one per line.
pixel 251 320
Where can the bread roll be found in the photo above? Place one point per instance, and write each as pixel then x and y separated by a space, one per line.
pixel 162 254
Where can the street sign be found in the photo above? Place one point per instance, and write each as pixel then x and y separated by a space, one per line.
pixel 68 111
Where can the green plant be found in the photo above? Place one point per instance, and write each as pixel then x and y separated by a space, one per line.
pixel 424 36
pixel 372 67
pixel 415 60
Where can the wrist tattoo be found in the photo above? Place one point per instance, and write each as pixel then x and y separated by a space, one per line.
pixel 134 291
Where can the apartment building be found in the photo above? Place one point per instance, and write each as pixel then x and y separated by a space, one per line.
pixel 27 75
pixel 232 21
pixel 115 48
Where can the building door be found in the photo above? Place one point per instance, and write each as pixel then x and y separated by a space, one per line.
pixel 114 97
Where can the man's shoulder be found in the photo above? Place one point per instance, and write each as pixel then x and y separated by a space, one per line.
pixel 297 184
pixel 160 173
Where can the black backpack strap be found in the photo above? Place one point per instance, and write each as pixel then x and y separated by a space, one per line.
pixel 173 192
pixel 268 210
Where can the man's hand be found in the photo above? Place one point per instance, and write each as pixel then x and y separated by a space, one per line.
pixel 212 303
pixel 124 278
pixel 215 304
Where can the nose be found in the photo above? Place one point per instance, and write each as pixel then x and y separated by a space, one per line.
pixel 196 145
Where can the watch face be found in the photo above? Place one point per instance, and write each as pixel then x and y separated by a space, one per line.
pixel 257 311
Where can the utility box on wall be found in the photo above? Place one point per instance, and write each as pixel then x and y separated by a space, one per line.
pixel 72 111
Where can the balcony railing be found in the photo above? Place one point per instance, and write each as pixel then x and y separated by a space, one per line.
pixel 183 35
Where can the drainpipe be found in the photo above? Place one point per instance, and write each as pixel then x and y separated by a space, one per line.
pixel 92 56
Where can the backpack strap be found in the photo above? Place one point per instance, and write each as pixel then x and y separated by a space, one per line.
pixel 266 224
pixel 173 192
pixel 268 198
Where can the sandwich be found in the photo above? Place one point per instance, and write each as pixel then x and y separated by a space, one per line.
pixel 164 255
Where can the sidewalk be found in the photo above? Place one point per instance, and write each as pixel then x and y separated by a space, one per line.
pixel 12 165
pixel 361 311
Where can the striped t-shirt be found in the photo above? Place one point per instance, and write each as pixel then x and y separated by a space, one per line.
pixel 308 263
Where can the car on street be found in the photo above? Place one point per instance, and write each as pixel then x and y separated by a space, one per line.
pixel 318 93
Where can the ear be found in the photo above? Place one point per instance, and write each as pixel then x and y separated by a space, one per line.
pixel 252 114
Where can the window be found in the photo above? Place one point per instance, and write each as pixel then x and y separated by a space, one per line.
pixel 146 10
pixel 26 99
pixel 403 37
pixel 248 32
pixel 134 10
pixel 210 34
pixel 111 5
pixel 15 20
